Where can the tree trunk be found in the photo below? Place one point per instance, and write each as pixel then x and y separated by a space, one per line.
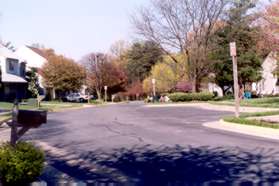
pixel 53 94
pixel 194 85
pixel 99 95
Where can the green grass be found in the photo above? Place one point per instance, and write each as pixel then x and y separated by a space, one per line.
pixel 259 114
pixel 244 119
pixel 57 106
pixel 50 106
pixel 272 102
pixel 254 122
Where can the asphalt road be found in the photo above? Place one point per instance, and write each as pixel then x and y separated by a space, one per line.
pixel 154 146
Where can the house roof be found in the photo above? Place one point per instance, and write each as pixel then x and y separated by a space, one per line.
pixel 11 78
pixel 38 51
pixel 7 53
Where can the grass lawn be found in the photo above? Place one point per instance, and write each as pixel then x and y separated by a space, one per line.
pixel 244 119
pixel 272 102
pixel 50 106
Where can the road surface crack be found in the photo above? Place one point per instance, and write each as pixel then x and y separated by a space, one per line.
pixel 132 135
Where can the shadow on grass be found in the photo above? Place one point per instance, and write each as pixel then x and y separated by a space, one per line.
pixel 174 166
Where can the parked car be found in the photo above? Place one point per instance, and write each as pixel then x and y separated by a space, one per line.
pixel 77 97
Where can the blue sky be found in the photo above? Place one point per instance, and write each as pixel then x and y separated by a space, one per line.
pixel 72 27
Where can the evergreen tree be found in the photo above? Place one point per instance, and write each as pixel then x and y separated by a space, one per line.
pixel 141 58
pixel 33 83
pixel 237 28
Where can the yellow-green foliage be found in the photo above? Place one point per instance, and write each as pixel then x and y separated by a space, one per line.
pixel 167 74
pixel 21 164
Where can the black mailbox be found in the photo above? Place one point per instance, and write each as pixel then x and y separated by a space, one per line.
pixel 32 118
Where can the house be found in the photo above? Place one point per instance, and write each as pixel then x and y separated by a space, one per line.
pixel 268 84
pixel 34 58
pixel 13 83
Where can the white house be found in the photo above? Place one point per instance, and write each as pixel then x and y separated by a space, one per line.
pixel 13 83
pixel 268 84
pixel 34 58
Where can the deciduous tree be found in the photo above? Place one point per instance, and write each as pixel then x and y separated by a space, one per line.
pixel 62 74
pixel 101 71
pixel 182 25
pixel 167 74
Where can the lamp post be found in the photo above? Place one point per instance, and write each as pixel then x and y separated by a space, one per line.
pixel 154 88
pixel 106 88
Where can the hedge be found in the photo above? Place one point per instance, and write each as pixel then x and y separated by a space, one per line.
pixel 186 97
pixel 19 165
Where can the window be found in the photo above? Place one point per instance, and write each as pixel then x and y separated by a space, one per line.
pixel 12 65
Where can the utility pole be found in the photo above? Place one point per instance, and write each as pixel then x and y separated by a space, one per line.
pixel 106 89
pixel 235 77
pixel 154 88
pixel 97 76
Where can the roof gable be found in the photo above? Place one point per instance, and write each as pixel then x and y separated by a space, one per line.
pixel 37 51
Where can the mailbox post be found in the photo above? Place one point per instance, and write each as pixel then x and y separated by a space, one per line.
pixel 24 120
pixel 14 124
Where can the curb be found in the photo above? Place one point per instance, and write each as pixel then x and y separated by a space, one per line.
pixel 263 132
pixel 213 107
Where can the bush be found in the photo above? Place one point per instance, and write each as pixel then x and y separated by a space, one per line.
pixel 184 97
pixel 21 164
pixel 224 98
pixel 96 101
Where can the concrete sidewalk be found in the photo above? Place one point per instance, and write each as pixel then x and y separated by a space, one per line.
pixel 209 106
pixel 4 135
pixel 244 129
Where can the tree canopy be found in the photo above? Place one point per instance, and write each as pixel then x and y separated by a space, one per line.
pixel 141 57
pixel 184 26
pixel 237 28
pixel 167 74
pixel 103 71
pixel 61 73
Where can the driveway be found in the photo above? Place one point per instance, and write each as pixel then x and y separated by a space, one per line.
pixel 151 146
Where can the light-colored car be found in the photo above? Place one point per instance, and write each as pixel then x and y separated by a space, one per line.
pixel 77 97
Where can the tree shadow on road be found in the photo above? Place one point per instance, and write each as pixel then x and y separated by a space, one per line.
pixel 176 165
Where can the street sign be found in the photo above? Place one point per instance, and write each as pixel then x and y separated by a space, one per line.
pixel 233 49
